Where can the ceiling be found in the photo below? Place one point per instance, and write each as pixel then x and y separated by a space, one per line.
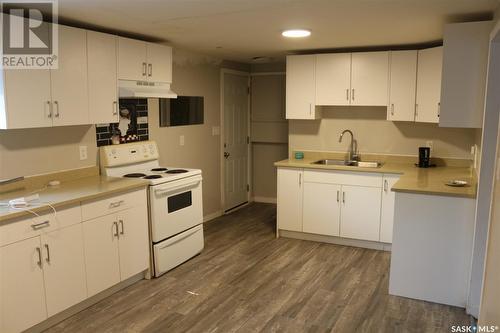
pixel 242 29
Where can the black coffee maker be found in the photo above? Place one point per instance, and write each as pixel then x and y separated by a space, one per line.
pixel 424 157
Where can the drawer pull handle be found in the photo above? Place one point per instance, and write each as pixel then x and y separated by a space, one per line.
pixel 40 225
pixel 386 185
pixel 116 204
pixel 343 197
pixel 39 252
pixel 48 253
pixel 338 196
pixel 122 232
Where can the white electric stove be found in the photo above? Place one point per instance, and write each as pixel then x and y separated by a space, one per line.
pixel 175 201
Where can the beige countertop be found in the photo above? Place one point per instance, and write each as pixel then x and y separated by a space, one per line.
pixel 413 179
pixel 68 193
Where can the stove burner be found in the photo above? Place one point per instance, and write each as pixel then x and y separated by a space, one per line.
pixel 134 175
pixel 159 169
pixel 176 171
pixel 152 177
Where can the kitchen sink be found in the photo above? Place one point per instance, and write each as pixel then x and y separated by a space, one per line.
pixel 359 164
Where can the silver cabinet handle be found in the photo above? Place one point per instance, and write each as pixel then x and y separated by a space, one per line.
pixel 122 232
pixel 347 94
pixel 439 109
pixel 49 108
pixel 343 197
pixel 39 251
pixel 310 108
pixel 386 185
pixel 150 69
pixel 300 179
pixel 115 108
pixel 352 94
pixel 416 111
pixel 115 226
pixel 56 103
pixel 338 196
pixel 144 69
pixel 392 109
pixel 40 225
pixel 116 204
pixel 48 253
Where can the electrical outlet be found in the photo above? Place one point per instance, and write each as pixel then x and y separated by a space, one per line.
pixel 181 140
pixel 83 153
pixel 429 144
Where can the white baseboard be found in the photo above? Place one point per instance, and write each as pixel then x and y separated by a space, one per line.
pixel 265 199
pixel 212 216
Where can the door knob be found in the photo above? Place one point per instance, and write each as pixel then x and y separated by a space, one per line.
pixel 226 154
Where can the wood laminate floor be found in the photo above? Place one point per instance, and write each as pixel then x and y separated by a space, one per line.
pixel 246 280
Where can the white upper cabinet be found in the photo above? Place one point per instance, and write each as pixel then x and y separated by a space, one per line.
pixel 369 78
pixel 429 85
pixel 333 79
pixel 102 77
pixel 402 85
pixel 70 104
pixel 132 59
pixel 300 87
pixel 465 63
pixel 159 63
pixel 142 61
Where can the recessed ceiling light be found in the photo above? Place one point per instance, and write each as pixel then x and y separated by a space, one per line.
pixel 296 33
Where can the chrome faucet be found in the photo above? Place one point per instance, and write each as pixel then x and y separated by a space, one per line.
pixel 352 154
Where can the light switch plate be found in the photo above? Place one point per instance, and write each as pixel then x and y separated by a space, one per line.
pixel 215 130
pixel 181 140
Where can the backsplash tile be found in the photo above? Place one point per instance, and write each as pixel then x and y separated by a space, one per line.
pixel 139 112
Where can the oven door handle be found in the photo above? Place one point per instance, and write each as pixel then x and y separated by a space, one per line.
pixel 176 188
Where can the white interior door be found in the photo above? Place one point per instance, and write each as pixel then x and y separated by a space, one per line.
pixel 235 140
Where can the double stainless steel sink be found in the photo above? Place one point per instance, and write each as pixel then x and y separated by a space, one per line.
pixel 359 164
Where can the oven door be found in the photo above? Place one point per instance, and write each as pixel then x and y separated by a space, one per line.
pixel 175 206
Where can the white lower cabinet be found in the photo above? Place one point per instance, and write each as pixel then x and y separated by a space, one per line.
pixel 355 205
pixel 116 248
pixel 387 213
pixel 63 268
pixel 290 199
pixel 22 293
pixel 321 209
pixel 360 213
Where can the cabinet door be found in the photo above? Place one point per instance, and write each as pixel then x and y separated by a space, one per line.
pixel 370 78
pixel 430 62
pixel 321 209
pixel 101 253
pixel 290 199
pixel 102 63
pixel 387 214
pixel 159 63
pixel 132 55
pixel 22 296
pixel 403 82
pixel 134 241
pixel 360 213
pixel 69 82
pixel 300 87
pixel 333 79
pixel 23 112
pixel 64 268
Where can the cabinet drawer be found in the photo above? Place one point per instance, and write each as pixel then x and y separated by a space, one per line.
pixel 20 229
pixel 108 205
pixel 343 178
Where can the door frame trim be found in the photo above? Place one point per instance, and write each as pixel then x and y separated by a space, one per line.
pixel 224 71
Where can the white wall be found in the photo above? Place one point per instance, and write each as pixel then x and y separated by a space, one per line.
pixel 377 135
pixel 26 152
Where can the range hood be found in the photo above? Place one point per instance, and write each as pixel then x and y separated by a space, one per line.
pixel 144 89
